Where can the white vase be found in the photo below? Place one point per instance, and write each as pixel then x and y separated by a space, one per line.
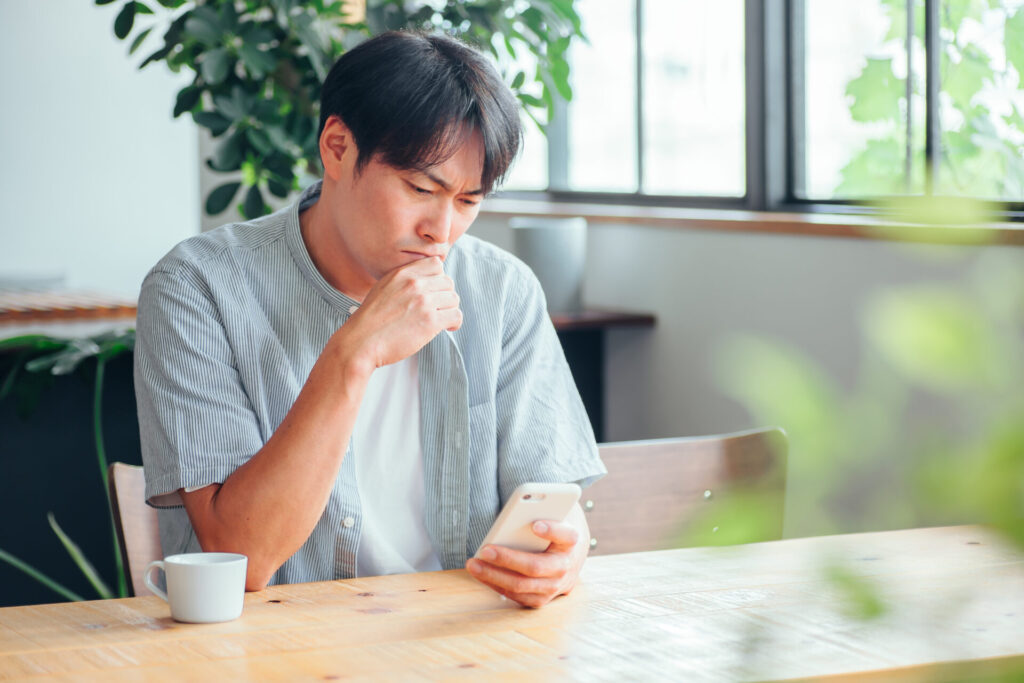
pixel 556 250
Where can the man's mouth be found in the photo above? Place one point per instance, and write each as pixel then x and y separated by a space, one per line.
pixel 421 254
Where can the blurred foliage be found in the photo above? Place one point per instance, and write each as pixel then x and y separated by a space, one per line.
pixel 982 132
pixel 931 431
pixel 257 67
pixel 38 359
pixel 862 458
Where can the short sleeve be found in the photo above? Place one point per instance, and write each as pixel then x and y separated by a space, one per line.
pixel 544 433
pixel 196 422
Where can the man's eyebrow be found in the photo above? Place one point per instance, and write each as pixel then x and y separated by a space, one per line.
pixel 446 185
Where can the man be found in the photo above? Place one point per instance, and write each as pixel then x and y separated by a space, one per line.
pixel 338 389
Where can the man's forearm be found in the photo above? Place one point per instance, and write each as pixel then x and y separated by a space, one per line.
pixel 268 507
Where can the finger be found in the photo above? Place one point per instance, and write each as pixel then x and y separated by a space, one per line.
pixel 560 534
pixel 530 600
pixel 536 565
pixel 449 319
pixel 430 265
pixel 508 581
pixel 441 301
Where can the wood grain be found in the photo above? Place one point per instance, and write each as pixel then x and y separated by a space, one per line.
pixel 31 306
pixel 138 530
pixel 761 611
pixel 670 493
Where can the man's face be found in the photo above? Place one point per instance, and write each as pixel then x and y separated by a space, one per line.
pixel 386 217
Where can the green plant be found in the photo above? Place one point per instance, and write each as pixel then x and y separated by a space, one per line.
pixel 37 354
pixel 257 67
pixel 982 136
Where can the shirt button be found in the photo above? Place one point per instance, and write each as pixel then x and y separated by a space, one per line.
pixel 352 309
pixel 348 522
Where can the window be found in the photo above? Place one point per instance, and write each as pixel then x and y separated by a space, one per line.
pixel 770 104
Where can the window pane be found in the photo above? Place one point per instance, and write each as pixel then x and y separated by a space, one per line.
pixel 855 113
pixel 530 171
pixel 981 105
pixel 693 97
pixel 602 113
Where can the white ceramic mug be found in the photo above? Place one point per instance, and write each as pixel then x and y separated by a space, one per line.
pixel 202 588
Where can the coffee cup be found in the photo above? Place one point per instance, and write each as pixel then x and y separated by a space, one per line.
pixel 202 588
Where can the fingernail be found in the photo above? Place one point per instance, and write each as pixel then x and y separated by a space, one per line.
pixel 541 527
pixel 488 554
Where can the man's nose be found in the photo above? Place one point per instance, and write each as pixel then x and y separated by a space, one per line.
pixel 437 225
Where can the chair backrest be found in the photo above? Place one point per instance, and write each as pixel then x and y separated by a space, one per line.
pixel 670 493
pixel 137 530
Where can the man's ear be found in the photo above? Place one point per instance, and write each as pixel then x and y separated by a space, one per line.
pixel 337 148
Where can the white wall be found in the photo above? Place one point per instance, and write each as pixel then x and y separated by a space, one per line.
pixel 98 180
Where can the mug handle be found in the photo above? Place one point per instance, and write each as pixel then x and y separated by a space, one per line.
pixel 155 564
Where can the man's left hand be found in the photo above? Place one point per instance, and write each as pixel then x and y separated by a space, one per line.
pixel 535 579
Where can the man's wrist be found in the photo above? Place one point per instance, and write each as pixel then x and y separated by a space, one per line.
pixel 353 364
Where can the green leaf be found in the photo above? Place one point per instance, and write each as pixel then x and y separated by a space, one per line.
pixel 254 206
pixel 876 92
pixel 967 78
pixel 530 100
pixel 216 123
pixel 188 97
pixel 280 165
pixel 235 106
pixel 935 337
pixel 203 25
pixel 124 21
pixel 32 341
pixel 863 600
pixel 229 154
pixel 156 56
pixel 278 188
pixel 140 8
pixel 138 40
pixel 878 169
pixel 259 62
pixel 518 81
pixel 1014 41
pixel 104 2
pixel 221 197
pixel 214 65
pixel 259 140
pixel 38 575
pixel 65 360
pixel 79 559
pixel 955 11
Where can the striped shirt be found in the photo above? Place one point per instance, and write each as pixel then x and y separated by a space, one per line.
pixel 230 324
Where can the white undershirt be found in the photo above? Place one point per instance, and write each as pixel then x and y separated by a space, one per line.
pixel 389 472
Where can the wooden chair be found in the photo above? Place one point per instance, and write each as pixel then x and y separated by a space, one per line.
pixel 706 490
pixel 138 533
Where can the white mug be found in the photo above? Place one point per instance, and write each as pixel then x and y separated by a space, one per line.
pixel 202 588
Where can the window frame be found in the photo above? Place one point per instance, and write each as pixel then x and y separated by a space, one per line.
pixel 775 126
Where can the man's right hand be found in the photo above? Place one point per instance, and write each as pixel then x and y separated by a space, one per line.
pixel 407 308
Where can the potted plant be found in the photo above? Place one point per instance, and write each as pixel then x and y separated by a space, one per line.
pixel 257 67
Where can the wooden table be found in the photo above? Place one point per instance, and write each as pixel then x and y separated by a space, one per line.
pixel 758 611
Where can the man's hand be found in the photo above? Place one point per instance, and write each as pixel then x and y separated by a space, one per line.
pixel 407 308
pixel 535 579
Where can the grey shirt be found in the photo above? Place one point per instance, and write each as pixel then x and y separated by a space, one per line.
pixel 230 324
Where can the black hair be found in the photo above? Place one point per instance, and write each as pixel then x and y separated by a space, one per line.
pixel 411 98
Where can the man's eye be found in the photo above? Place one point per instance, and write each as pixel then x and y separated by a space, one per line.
pixel 421 190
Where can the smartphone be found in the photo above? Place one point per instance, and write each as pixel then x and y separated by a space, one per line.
pixel 530 503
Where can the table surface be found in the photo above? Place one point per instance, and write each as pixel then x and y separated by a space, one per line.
pixel 747 612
